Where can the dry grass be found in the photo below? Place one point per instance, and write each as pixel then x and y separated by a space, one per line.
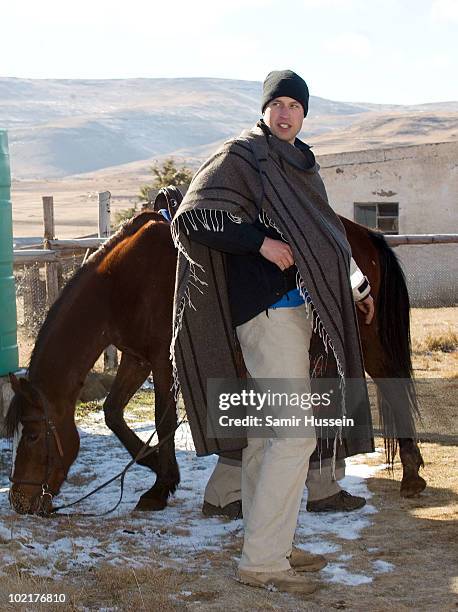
pixel 104 586
pixel 149 588
pixel 445 342
pixel 431 323
pixel 18 583
pixel 434 323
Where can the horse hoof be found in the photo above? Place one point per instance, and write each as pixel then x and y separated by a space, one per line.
pixel 412 486
pixel 150 505
pixel 153 500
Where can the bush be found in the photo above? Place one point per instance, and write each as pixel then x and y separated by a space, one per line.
pixel 164 175
pixel 446 342
pixel 124 215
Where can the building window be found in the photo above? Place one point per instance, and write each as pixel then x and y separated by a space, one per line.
pixel 383 216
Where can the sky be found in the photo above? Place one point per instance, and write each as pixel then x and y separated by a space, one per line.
pixel 381 51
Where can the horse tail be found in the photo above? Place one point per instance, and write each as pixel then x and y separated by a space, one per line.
pixel 393 297
pixel 393 316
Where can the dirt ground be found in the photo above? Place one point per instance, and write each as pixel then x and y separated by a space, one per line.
pixel 416 538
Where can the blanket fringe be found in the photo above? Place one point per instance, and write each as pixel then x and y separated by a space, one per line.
pixel 210 219
pixel 267 221
pixel 319 328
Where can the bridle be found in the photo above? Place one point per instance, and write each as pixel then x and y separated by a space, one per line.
pixel 50 433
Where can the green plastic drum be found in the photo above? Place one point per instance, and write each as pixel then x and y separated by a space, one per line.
pixel 8 321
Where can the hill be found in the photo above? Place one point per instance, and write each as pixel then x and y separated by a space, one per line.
pixel 59 128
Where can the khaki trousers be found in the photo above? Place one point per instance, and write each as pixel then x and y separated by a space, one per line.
pixel 275 344
pixel 225 483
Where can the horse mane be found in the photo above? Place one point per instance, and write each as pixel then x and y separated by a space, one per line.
pixel 129 228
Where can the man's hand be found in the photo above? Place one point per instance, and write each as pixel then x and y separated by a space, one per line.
pixel 367 307
pixel 278 252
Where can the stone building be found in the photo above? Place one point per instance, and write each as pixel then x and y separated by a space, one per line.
pixel 404 190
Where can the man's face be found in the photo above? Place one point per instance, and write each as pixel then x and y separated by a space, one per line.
pixel 284 116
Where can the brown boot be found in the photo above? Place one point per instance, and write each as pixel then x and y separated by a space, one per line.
pixel 286 580
pixel 303 561
pixel 232 511
pixel 340 502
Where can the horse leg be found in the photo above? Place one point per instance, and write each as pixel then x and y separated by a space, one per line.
pixel 412 483
pixel 377 365
pixel 130 375
pixel 168 475
pixel 394 395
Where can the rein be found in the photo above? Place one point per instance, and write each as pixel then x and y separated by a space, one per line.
pixel 51 430
pixel 141 453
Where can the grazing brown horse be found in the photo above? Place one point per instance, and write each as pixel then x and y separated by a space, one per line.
pixel 123 295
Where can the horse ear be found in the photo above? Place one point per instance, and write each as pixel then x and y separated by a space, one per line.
pixel 21 386
pixel 27 390
pixel 14 382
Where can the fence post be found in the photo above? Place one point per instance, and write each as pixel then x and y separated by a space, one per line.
pixel 110 354
pixel 48 217
pixel 110 358
pixel 151 195
pixel 52 280
pixel 104 214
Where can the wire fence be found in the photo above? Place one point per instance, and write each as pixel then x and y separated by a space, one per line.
pixel 32 301
pixel 431 272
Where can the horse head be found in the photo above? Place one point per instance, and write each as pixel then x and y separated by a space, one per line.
pixel 45 445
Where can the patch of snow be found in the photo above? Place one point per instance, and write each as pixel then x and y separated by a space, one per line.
pixel 319 547
pixel 49 548
pixel 335 572
pixel 381 567
pixel 346 525
pixel 148 384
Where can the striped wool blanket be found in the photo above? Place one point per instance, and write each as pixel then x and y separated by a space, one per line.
pixel 258 175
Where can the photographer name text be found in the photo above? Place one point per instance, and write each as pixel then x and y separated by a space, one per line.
pixel 271 421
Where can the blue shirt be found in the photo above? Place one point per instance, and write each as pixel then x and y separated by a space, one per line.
pixel 290 300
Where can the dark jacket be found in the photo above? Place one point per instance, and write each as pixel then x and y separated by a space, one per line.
pixel 254 282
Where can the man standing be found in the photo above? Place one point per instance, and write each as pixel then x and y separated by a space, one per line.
pixel 262 251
